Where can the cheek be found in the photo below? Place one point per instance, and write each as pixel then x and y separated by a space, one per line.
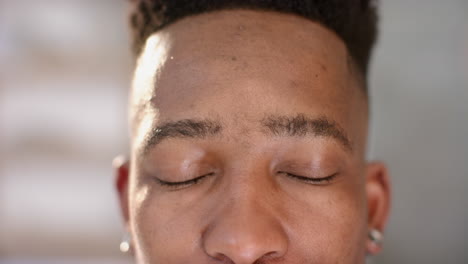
pixel 330 225
pixel 160 234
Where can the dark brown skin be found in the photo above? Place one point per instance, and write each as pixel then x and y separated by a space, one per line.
pixel 281 104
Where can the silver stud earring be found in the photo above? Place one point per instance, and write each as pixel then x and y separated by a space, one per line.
pixel 126 243
pixel 375 236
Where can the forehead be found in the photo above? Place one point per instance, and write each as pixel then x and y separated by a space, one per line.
pixel 243 64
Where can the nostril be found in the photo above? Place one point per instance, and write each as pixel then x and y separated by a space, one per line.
pixel 274 255
pixel 223 258
pixel 244 254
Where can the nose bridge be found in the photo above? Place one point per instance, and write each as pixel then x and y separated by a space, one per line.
pixel 246 227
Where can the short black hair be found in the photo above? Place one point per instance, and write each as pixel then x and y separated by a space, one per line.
pixel 354 21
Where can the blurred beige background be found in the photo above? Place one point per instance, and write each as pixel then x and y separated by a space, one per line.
pixel 65 67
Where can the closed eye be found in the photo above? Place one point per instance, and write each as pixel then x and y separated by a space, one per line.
pixel 182 184
pixel 322 180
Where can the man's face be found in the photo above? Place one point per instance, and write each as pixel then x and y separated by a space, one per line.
pixel 248 145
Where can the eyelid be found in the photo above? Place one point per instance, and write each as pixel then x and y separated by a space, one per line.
pixel 182 184
pixel 321 180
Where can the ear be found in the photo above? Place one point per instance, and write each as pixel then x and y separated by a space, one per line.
pixel 121 167
pixel 378 201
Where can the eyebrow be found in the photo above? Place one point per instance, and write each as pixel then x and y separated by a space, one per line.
pixel 301 125
pixel 186 128
pixel 282 126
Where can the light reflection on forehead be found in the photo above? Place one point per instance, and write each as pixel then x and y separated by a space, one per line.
pixel 154 55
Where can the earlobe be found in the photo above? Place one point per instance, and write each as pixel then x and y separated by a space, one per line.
pixel 378 204
pixel 121 167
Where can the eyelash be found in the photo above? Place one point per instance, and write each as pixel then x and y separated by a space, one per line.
pixel 182 184
pixel 177 185
pixel 323 180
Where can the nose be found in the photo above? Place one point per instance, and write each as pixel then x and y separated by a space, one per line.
pixel 245 232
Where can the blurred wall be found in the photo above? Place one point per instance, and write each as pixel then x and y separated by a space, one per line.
pixel 420 127
pixel 65 67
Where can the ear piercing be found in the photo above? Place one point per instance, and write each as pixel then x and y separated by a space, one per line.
pixel 126 243
pixel 375 236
